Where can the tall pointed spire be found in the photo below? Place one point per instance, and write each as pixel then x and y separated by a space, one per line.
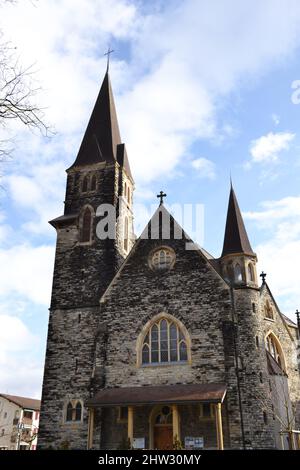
pixel 236 239
pixel 102 135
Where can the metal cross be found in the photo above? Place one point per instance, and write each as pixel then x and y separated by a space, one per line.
pixel 161 195
pixel 109 51
pixel 263 276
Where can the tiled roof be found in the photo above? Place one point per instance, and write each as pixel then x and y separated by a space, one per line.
pixel 23 402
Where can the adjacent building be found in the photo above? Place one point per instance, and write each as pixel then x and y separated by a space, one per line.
pixel 19 422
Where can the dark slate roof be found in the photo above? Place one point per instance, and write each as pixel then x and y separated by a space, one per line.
pixel 63 220
pixel 23 402
pixel 289 321
pixel 236 238
pixel 102 135
pixel 178 393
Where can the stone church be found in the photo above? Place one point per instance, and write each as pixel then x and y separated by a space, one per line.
pixel 151 344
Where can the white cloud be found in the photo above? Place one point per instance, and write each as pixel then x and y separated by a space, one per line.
pixel 14 335
pixel 279 256
pixel 168 94
pixel 205 168
pixel 275 119
pixel 20 373
pixel 27 271
pixel 274 211
pixel 267 148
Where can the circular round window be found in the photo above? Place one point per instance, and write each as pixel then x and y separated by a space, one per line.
pixel 162 258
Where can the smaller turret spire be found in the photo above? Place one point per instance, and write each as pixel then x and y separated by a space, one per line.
pixel 236 239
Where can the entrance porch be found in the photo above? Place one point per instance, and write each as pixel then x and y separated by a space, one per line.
pixel 160 417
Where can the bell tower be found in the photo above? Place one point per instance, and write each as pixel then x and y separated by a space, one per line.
pixel 99 192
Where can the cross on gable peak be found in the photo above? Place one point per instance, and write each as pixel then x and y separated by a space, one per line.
pixel 161 196
pixel 263 275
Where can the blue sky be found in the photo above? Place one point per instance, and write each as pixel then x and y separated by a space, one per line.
pixel 203 89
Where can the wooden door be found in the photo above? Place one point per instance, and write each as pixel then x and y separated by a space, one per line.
pixel 163 437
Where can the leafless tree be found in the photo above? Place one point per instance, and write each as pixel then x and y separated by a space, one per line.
pixel 17 93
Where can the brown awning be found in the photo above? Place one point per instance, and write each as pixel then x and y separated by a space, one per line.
pixel 195 393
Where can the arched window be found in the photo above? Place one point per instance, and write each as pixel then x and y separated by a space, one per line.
pixel 274 348
pixel 78 411
pixel 85 184
pixel 126 234
pixel 238 273
pixel 69 415
pixel 125 190
pixel 164 342
pixel 251 276
pixel 86 227
pixel 268 310
pixel 128 194
pixel 93 183
pixel 164 416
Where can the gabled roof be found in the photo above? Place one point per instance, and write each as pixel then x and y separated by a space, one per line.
pixel 236 239
pixel 265 286
pixel 102 135
pixel 175 227
pixel 23 402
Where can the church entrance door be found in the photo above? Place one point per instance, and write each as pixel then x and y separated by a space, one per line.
pixel 163 437
pixel 163 428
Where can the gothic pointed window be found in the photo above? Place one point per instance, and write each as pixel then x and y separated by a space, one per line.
pixel 275 349
pixel 86 228
pixel 126 229
pixel 128 194
pixel 268 311
pixel 78 411
pixel 93 183
pixel 251 276
pixel 85 184
pixel 238 273
pixel 163 343
pixel 69 415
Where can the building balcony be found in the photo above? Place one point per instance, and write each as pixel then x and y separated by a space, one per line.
pixel 27 421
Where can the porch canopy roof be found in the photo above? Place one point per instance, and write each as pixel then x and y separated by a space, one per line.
pixel 159 394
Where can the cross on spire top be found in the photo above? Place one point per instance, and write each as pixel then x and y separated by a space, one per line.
pixel 109 51
pixel 161 195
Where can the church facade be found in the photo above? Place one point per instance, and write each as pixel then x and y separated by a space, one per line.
pixel 150 344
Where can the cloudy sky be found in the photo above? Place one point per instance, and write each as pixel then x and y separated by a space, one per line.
pixel 202 88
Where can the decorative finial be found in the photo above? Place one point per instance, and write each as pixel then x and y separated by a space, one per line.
pixel 161 195
pixel 263 276
pixel 230 181
pixel 297 313
pixel 109 51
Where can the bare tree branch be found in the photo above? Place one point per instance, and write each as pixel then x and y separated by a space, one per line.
pixel 18 93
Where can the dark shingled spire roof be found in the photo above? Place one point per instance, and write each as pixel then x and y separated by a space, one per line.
pixel 102 136
pixel 236 238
